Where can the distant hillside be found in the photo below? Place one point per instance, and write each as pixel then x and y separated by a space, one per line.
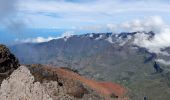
pixel 104 56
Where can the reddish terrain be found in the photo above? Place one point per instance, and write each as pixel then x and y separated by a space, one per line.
pixel 105 88
pixel 75 82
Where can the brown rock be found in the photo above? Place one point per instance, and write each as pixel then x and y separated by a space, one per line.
pixel 8 62
pixel 76 85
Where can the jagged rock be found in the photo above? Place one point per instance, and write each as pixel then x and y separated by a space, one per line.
pixel 62 84
pixel 64 81
pixel 46 83
pixel 20 86
pixel 8 62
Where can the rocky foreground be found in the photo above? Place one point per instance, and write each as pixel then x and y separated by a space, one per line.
pixel 8 62
pixel 43 82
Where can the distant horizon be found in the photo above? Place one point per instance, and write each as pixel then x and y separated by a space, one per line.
pixel 35 33
pixel 31 19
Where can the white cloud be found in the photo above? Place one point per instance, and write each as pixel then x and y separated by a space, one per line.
pixel 67 34
pixel 7 8
pixel 40 39
pixel 156 24
pixel 162 61
pixel 155 45
pixel 147 24
pixel 107 6
pixel 36 40
pixel 92 12
pixel 111 27
pixel 159 42
pixel 153 23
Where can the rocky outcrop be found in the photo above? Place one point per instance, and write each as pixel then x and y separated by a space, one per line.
pixel 20 86
pixel 60 81
pixel 75 85
pixel 40 82
pixel 43 82
pixel 8 62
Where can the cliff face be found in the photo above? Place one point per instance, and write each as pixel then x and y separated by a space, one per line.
pixel 8 62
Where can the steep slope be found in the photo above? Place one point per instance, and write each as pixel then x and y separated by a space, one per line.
pixel 63 85
pixel 77 85
pixel 104 57
pixel 42 82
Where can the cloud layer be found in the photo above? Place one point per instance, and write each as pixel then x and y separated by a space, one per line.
pixel 84 13
pixel 7 8
pixel 91 15
pixel 8 16
pixel 162 61
pixel 41 39
pixel 159 42
pixel 35 40
pixel 153 23
pixel 69 13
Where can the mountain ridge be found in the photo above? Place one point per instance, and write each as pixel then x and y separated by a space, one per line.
pixel 105 57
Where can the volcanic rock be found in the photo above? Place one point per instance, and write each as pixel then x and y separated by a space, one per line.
pixel 75 85
pixel 8 62
pixel 44 82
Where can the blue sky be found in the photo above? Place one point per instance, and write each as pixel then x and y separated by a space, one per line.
pixel 79 16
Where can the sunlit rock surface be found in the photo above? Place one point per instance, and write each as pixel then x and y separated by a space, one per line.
pixel 21 86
